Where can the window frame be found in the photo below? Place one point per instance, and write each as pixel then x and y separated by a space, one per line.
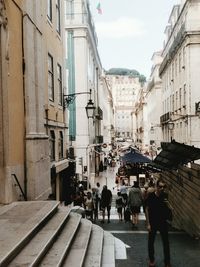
pixel 58 16
pixel 50 80
pixel 59 81
pixel 49 10
pixel 52 142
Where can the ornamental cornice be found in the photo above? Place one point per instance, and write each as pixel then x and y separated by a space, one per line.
pixel 3 17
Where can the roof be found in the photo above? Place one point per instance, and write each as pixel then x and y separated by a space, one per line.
pixel 174 154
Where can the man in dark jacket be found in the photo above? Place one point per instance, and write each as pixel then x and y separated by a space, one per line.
pixel 106 200
pixel 156 208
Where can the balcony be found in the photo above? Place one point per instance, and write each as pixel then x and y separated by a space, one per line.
pixel 165 118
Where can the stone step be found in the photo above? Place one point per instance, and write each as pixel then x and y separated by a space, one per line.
pixel 19 222
pixel 63 244
pixel 108 256
pixel 35 250
pixel 95 248
pixel 47 234
pixel 78 250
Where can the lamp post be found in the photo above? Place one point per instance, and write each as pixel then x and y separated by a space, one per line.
pixel 69 99
pixel 90 108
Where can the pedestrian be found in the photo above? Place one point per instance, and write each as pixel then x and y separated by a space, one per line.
pixel 135 202
pixel 98 192
pixel 95 199
pixel 124 192
pixel 119 205
pixel 106 200
pixel 79 199
pixel 144 195
pixel 156 207
pixel 151 186
pixel 89 207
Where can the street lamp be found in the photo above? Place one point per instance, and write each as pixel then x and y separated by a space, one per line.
pixel 90 108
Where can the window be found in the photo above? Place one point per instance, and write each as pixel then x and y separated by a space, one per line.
pixel 180 98
pixel 173 103
pixel 69 9
pixel 52 145
pixel 184 96
pixel 176 104
pixel 60 145
pixel 59 75
pixel 58 28
pixel 49 9
pixel 50 78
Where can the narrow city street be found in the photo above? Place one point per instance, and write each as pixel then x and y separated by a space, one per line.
pixel 184 249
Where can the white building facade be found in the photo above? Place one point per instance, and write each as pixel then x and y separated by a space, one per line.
pixel 153 99
pixel 124 90
pixel 179 72
pixel 84 75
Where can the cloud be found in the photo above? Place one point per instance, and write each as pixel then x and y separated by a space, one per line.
pixel 121 28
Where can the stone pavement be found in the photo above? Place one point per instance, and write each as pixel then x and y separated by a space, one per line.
pixel 184 249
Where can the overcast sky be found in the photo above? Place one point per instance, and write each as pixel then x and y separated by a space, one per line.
pixel 130 31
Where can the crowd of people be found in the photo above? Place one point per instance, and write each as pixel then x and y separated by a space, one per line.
pixel 93 202
pixel 129 202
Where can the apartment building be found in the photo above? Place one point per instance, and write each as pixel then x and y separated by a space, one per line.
pixel 124 90
pixel 32 118
pixel 84 75
pixel 180 76
pixel 153 99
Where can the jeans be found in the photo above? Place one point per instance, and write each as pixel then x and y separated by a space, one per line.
pixel 163 229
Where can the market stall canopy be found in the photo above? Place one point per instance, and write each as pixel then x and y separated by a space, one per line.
pixel 134 156
pixel 174 154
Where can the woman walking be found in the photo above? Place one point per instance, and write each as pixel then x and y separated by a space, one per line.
pixel 135 202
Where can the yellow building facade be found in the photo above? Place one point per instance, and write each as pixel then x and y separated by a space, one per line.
pixel 33 125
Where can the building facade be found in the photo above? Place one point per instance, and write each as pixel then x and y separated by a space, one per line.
pixel 124 90
pixel 180 76
pixel 153 99
pixel 84 75
pixel 32 118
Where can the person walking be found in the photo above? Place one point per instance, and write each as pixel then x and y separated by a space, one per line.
pixel 156 207
pixel 135 202
pixel 95 198
pixel 106 200
pixel 89 207
pixel 98 192
pixel 119 205
pixel 123 190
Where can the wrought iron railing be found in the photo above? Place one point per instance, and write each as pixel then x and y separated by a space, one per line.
pixel 18 184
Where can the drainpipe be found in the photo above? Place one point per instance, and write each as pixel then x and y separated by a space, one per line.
pixel 23 66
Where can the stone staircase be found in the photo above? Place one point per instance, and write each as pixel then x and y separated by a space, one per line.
pixel 43 233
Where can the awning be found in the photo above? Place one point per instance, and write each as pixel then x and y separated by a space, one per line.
pixel 174 154
pixel 134 156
